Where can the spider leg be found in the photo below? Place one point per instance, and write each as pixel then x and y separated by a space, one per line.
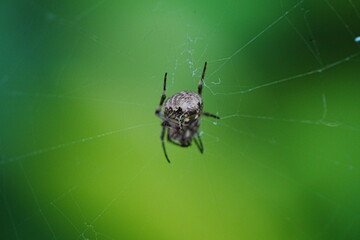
pixel 162 99
pixel 202 80
pixel 198 143
pixel 210 115
pixel 163 143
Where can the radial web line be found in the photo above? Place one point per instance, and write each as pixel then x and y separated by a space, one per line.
pixel 227 59
pixel 64 145
pixel 126 185
pixel 37 200
pixel 301 75
pixel 341 19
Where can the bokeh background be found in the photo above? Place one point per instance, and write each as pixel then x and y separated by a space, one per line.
pixel 79 142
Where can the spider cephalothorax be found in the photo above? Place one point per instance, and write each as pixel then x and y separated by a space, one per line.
pixel 181 117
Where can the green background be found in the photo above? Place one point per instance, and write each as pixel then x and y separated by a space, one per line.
pixel 80 151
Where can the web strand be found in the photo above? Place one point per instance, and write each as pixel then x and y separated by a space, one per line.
pixel 301 75
pixel 68 144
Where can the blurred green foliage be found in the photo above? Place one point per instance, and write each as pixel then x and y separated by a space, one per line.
pixel 80 150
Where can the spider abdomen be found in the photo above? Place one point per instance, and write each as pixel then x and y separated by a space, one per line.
pixel 183 104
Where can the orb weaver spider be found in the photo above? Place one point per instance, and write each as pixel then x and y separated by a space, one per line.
pixel 181 117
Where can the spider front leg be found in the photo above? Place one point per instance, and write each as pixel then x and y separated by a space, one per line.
pixel 202 80
pixel 163 142
pixel 162 99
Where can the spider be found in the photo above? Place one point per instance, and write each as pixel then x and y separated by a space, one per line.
pixel 181 117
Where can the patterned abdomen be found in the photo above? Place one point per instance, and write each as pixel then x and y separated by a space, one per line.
pixel 183 103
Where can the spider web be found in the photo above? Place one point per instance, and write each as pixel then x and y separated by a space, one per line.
pixel 80 150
